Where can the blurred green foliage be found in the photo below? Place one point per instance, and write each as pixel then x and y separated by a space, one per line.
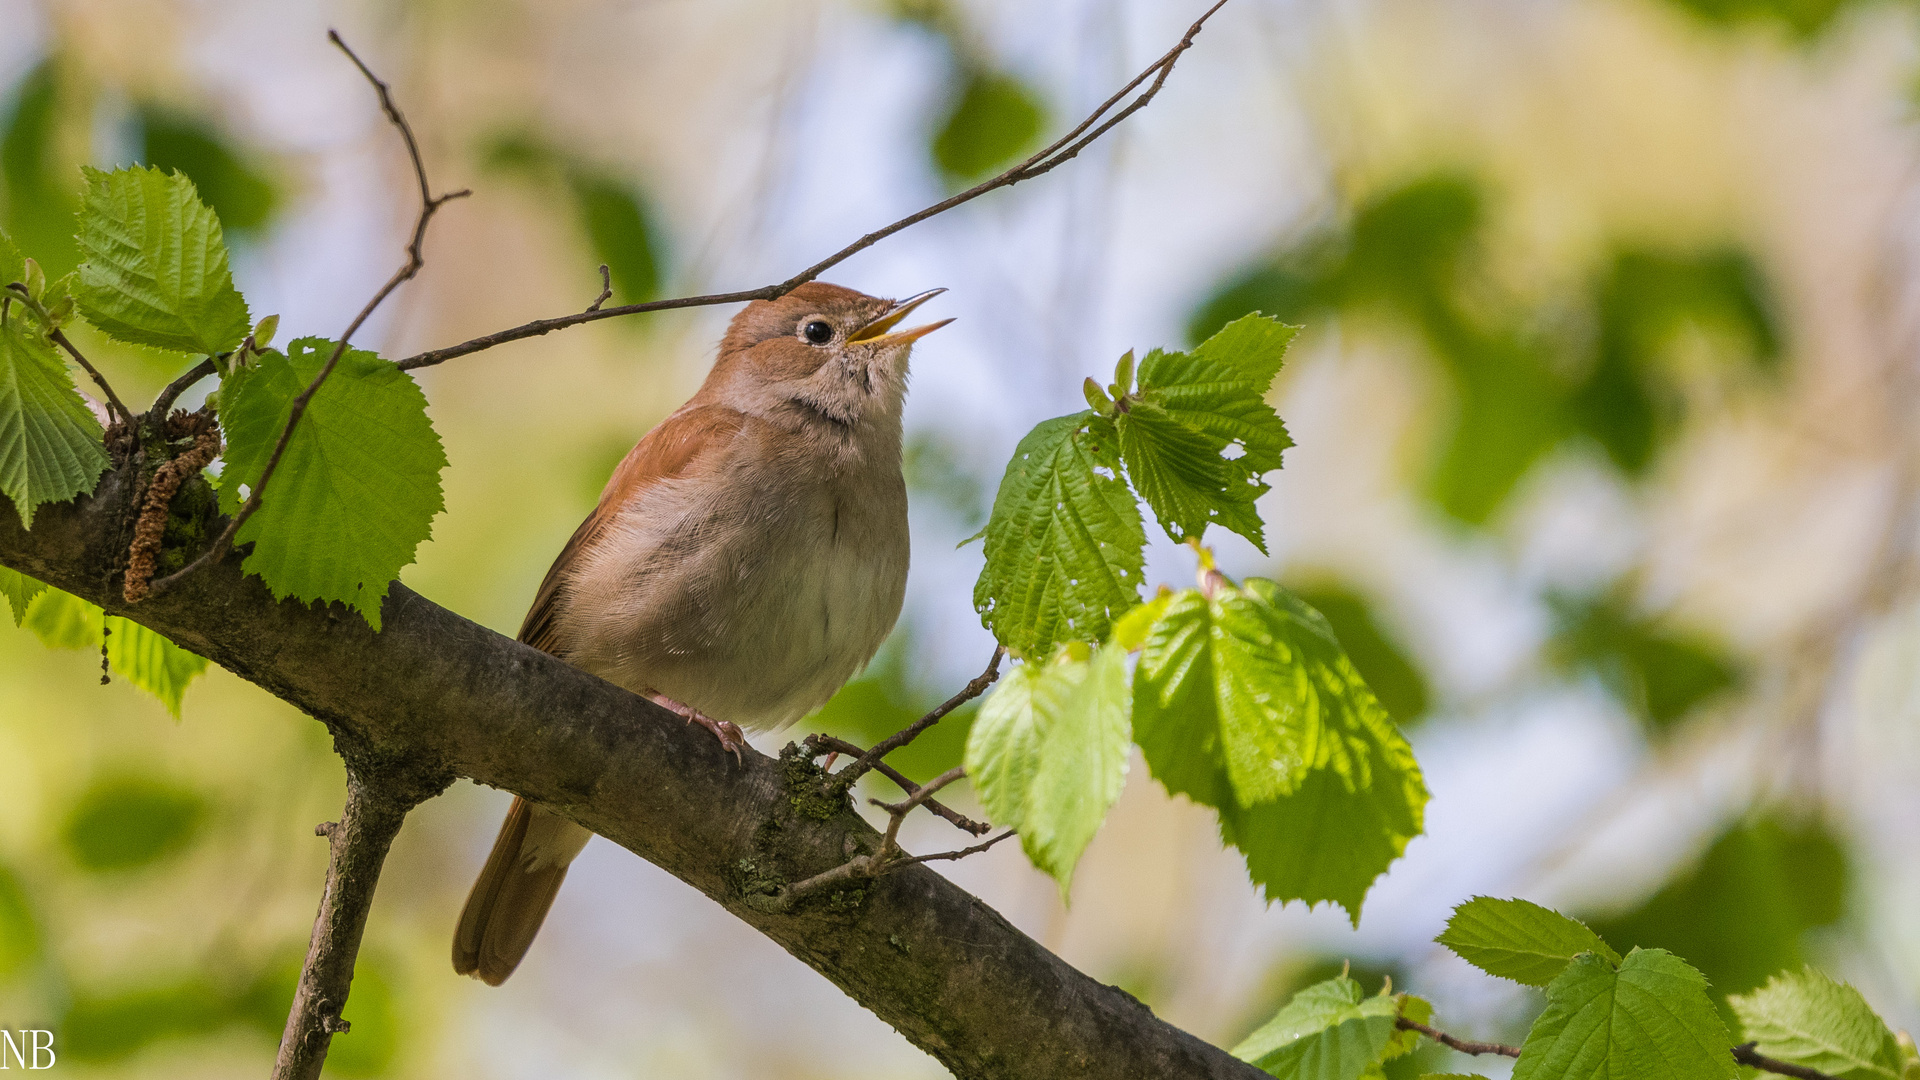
pixel 19 930
pixel 612 212
pixel 1804 19
pixel 238 188
pixel 1660 674
pixel 1522 385
pixel 129 821
pixel 1741 912
pixel 41 190
pixel 990 116
pixel 934 467
pixel 119 1024
pixel 1378 654
pixel 994 117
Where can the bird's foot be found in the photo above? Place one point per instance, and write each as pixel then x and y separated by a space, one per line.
pixel 729 734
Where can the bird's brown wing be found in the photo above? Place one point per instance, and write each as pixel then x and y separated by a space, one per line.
pixel 669 450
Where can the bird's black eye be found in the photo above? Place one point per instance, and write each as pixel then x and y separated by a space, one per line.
pixel 818 332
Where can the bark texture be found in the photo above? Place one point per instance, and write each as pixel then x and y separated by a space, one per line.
pixel 434 696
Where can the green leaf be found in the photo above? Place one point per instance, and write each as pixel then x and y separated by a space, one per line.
pixel 1327 1031
pixel 151 662
pixel 156 265
pixel 50 444
pixel 20 591
pixel 1519 940
pixel 355 494
pixel 1245 702
pixel 1808 1019
pixel 128 822
pixel 1190 409
pixel 1451 1076
pixel 1064 543
pixel 1377 653
pixel 995 117
pixel 1048 752
pixel 1649 1020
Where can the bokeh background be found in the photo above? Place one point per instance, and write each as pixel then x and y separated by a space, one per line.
pixel 1608 475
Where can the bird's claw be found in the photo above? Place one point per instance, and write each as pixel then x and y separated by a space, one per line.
pixel 730 736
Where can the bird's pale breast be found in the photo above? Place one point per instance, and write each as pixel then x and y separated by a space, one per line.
pixel 752 590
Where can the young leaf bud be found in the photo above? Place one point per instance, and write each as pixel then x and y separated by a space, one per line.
pixel 36 279
pixel 58 313
pixel 1123 375
pixel 263 331
pixel 1096 397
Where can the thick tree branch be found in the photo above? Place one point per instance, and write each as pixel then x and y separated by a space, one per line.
pixel 430 204
pixel 1057 153
pixel 357 848
pixel 434 696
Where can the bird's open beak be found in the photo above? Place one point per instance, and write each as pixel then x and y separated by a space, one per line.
pixel 875 332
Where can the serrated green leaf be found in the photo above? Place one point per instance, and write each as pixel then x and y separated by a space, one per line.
pixel 1064 544
pixel 20 591
pixel 50 444
pixel 1519 940
pixel 156 264
pixel 1190 409
pixel 1328 1031
pixel 151 662
pixel 1048 753
pixel 1649 1020
pixel 1807 1019
pixel 358 488
pixel 1245 702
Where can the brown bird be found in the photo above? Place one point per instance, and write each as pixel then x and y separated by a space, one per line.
pixel 744 561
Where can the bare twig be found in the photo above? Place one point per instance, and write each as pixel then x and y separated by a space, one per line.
pixel 1745 1054
pixel 606 289
pixel 841 746
pixel 430 204
pixel 962 853
pixel 1465 1046
pixel 1059 152
pixel 889 856
pixel 357 846
pixel 158 413
pixel 59 337
pixel 906 735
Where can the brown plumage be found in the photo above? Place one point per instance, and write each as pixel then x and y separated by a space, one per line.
pixel 744 561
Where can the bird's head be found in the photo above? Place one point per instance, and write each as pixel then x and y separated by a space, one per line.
pixel 822 349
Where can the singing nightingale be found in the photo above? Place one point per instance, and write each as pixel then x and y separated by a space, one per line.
pixel 745 560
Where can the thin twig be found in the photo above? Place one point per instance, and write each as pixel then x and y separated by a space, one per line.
pixel 59 337
pixel 606 289
pixel 962 853
pixel 889 857
pixel 1745 1054
pixel 1059 152
pixel 1465 1046
pixel 841 746
pixel 158 413
pixel 907 734
pixel 897 812
pixel 55 335
pixel 430 204
pixel 357 847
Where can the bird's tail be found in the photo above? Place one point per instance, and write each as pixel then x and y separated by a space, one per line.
pixel 511 898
